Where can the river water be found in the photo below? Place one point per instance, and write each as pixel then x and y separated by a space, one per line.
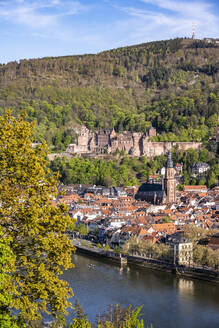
pixel 168 301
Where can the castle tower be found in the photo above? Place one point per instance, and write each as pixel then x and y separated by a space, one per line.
pixel 151 132
pixel 169 181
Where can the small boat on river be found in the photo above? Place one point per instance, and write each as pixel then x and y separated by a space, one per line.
pixel 91 266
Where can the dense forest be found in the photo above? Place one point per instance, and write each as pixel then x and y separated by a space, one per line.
pixel 171 84
pixel 123 170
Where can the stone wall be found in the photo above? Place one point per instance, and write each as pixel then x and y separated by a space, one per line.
pixel 152 149
pixel 52 156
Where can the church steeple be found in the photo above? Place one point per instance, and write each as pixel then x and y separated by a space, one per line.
pixel 169 160
pixel 169 181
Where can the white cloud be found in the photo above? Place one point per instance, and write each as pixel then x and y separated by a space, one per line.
pixel 196 10
pixel 171 18
pixel 148 20
pixel 38 14
pixel 180 6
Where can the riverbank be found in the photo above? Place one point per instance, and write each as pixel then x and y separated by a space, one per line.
pixel 168 301
pixel 133 260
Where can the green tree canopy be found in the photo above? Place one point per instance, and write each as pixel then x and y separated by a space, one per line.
pixel 34 227
pixel 7 267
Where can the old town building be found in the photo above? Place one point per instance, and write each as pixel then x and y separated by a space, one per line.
pixel 160 193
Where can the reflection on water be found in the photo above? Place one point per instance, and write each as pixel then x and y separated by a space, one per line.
pixel 185 287
pixel 169 302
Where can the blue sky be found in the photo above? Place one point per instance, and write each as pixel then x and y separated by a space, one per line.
pixel 39 28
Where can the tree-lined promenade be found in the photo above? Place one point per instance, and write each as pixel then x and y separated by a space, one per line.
pixel 203 256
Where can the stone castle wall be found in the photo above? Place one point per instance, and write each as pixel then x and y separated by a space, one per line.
pixel 152 149
pixel 133 143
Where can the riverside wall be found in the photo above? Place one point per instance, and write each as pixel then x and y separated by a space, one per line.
pixel 181 271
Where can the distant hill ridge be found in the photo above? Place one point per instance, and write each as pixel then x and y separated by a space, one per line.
pixel 171 84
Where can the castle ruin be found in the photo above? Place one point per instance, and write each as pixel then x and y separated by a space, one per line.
pixel 132 143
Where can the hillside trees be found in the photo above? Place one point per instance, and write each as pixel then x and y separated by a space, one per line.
pixel 32 225
pixel 125 170
pixel 87 170
pixel 172 84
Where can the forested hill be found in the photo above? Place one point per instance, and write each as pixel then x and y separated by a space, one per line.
pixel 171 84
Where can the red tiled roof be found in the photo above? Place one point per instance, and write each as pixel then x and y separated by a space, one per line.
pixel 164 227
pixel 198 188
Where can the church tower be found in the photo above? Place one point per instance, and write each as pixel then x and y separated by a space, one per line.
pixel 169 181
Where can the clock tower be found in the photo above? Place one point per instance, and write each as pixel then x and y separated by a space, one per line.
pixel 169 181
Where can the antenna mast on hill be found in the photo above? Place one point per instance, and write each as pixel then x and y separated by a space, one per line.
pixel 193 30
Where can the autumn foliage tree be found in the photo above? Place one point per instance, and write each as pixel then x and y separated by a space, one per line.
pixel 32 225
